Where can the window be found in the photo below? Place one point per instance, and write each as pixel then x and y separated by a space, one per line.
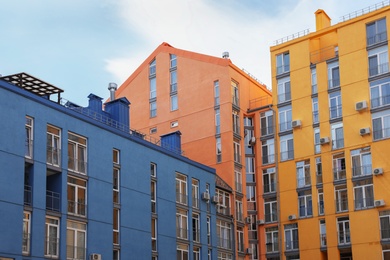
pixel 285 118
pixel 321 208
pixel 116 254
pixel 223 205
pixel 314 89
pixel 268 151
pixel 269 180
pixel 303 174
pixel 173 78
pixel 250 138
pixel 52 237
pixel 380 93
pixel 77 192
pixel 153 108
pixel 153 170
pixel 339 167
pixel 174 103
pixel 154 234
pixel 337 136
pixel 378 61
pixel 341 198
pixel 173 60
pixel 208 201
pixel 115 156
pixel 333 75
pixel 364 194
pixel 316 116
pixel 318 170
pixel 291 237
pixel 182 252
pixel 26 232
pixel 282 63
pixel 195 227
pixel 381 125
pixel 77 153
pixel 115 225
pixel 53 152
pixel 217 121
pixel 224 256
pixel 239 211
pixel 216 93
pixel 272 240
pixel 240 239
pixel 286 147
pixel 237 151
pixel 238 180
pixel 236 122
pixel 361 162
pixel 152 90
pixel 250 170
pixel 196 253
pixel 152 68
pixel 208 223
pixel 181 188
pixel 76 240
pixel 270 210
pixel 335 107
pixel 219 149
pixel 317 145
pixel 29 137
pixel 322 233
pixel 343 231
pixel 115 175
pixel 224 234
pixel 284 90
pixel 181 224
pixel 235 94
pixel 384 219
pixel 305 204
pixel 267 123
pixel 195 193
pixel 153 196
pixel 376 32
pixel 255 250
pixel 251 197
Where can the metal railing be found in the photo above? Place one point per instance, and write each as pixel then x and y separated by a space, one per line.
pixel 268 159
pixel 53 201
pixel 288 155
pixel 76 252
pixel 270 187
pixel 323 54
pixel 284 97
pixel 341 205
pixel 378 69
pixel 339 174
pixel 292 245
pixel 270 217
pixel 285 126
pixel 267 130
pixel 77 208
pixel 223 210
pixel 182 233
pixel 181 198
pixel 53 156
pixel 364 203
pixel 76 165
pixel 364 11
pixel 363 170
pixel 303 182
pixel 305 212
pixel 377 38
pixel 380 101
pixel 291 37
pixel 344 238
pixel 224 243
pixel 272 247
pixel 51 247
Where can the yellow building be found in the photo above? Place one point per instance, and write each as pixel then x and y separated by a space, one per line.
pixel 331 96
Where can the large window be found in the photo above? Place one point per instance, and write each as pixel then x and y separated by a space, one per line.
pixel 337 136
pixel 344 237
pixel 317 144
pixel 291 237
pixel 341 195
pixel 251 197
pixel 237 151
pixel 378 61
pixel 236 122
pixel 115 225
pixel 316 116
pixel 181 188
pixel 77 153
pixel 174 102
pixel 305 204
pixel 303 174
pixel 361 162
pixel 235 94
pixel 380 93
pixel 322 233
pixel 381 125
pixel 154 234
pixel 181 224
pixel 26 232
pixel 224 256
pixel 238 180
pixel 195 193
pixel 314 89
pixel 269 180
pixel 282 63
pixel 239 211
pixel 335 107
pixel 216 93
pixel 182 252
pixel 267 123
pixel 173 61
pixel 376 32
pixel 364 194
pixel 270 210
pixel 284 90
pixel 217 121
pixel 286 147
pixel 333 75
pixel 250 170
pixel 285 118
pixel 224 234
pixel 272 239
pixel 29 137
pixel 195 227
pixel 53 152
pixel 218 149
pixel 52 237
pixel 339 167
pixel 321 207
pixel 76 240
pixel 268 151
pixel 77 196
pixel 173 79
pixel 152 68
pixel 223 205
pixel 384 218
pixel 153 90
pixel 240 239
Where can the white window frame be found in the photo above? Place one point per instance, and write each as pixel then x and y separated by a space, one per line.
pixel 174 102
pixel 250 169
pixel 339 166
pixel 173 60
pixel 305 204
pixel 152 88
pixel 236 122
pixel 182 224
pixel 268 151
pixel 208 228
pixel 237 151
pixel 303 173
pixel 363 192
pixel 223 205
pixel 52 242
pixel 153 109
pixel 315 107
pixel 182 252
pixel 341 196
pixel 321 200
pixel 267 123
pixel 154 234
pixel 282 63
pixel 239 210
pixel 195 193
pixel 343 231
pixel 173 81
pixel 238 180
pixel 26 232
pixel 384 119
pixel 361 162
pixel 116 226
pixel 116 184
pixel 285 119
pixel 384 221
pixel 79 207
pixel 272 240
pixel 224 234
pixel 380 94
pixel 29 125
pixel 235 94
pixel 291 238
pixel 284 90
pixel 323 239
pixel 317 144
pixel 333 82
pixel 152 67
pixel 218 149
pixel 77 152
pixel 53 156
pixel 240 240
pixel 181 189
pixel 216 93
pixel 314 89
pixel 285 142
pixel 78 249
pixel 269 180
pixel 380 58
pixel 217 121
pixel 335 105
pixel 271 210
pixel 195 227
pixel 337 136
pixel 378 35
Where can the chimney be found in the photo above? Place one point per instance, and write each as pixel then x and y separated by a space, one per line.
pixel 119 110
pixel 322 20
pixel 172 141
pixel 112 88
pixel 225 55
pixel 95 103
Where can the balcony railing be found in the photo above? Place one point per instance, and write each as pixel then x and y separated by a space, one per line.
pixel 385 234
pixel 305 212
pixel 272 247
pixel 77 208
pixel 323 54
pixel 268 159
pixel 323 240
pixel 76 165
pixel 303 182
pixel 364 203
pixel 27 195
pixel 26 243
pixel 224 243
pixel 292 245
pixel 378 70
pixel 271 217
pixel 339 174
pixel 182 233
pixel 223 210
pixel 53 156
pixel 344 238
pixel 335 112
pixel 282 69
pixel 380 101
pixel 181 198
pixel 53 201
pixel 287 155
pixel 333 83
pixel 269 130
pixel 195 202
pixel 271 187
pixel 363 170
pixel 377 38
pixel 285 126
pixel 341 205
pixel 51 247
pixel 29 148
pixel 75 253
pixel 196 235
pixel 319 178
pixel 284 97
pixel 381 133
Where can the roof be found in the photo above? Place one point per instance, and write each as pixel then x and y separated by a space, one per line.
pixel 33 84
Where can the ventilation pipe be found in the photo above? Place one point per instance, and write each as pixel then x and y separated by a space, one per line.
pixel 112 87
pixel 225 55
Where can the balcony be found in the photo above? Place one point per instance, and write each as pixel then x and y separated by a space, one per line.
pixel 27 195
pixel 364 203
pixel 53 156
pixel 182 233
pixel 378 69
pixel 75 252
pixel 52 247
pixel 339 174
pixel 380 101
pixel 53 201
pixel 364 170
pixel 181 198
pixel 225 243
pixel 77 208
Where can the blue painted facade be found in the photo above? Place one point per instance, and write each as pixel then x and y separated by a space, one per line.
pixel 38 188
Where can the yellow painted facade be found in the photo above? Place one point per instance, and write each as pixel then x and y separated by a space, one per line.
pixel 351 68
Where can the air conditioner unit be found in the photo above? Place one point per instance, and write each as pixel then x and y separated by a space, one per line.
pixel 296 123
pixel 378 171
pixel 365 131
pixel 360 105
pixel 260 222
pixel 96 257
pixel 292 217
pixel 248 251
pixel 252 141
pixel 248 220
pixel 205 196
pixel 379 203
pixel 324 140
pixel 215 199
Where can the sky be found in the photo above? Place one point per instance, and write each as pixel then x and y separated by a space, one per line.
pixel 81 46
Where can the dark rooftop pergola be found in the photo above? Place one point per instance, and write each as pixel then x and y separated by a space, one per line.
pixel 34 85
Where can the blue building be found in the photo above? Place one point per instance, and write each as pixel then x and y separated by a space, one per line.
pixel 78 183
